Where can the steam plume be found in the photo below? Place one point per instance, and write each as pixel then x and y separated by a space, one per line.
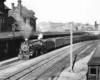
pixel 40 36
pixel 25 27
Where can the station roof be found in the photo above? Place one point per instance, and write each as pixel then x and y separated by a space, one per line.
pixel 34 34
pixel 95 59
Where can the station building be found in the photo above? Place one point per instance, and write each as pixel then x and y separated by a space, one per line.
pixel 3 16
pixel 10 16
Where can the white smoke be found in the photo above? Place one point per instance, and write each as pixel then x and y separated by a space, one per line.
pixel 25 27
pixel 26 30
pixel 40 36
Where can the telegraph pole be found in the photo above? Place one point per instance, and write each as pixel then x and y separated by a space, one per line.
pixel 71 50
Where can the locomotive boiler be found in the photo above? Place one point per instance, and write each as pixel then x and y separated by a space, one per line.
pixel 31 48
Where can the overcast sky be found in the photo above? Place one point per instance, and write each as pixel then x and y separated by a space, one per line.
pixel 81 11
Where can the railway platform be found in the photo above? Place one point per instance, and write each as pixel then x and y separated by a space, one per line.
pixel 79 72
pixel 8 61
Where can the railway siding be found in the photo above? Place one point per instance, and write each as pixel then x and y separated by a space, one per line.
pixel 79 72
pixel 64 63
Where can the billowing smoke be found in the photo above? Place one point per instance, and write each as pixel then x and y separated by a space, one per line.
pixel 25 27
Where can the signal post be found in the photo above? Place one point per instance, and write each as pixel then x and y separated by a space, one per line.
pixel 71 49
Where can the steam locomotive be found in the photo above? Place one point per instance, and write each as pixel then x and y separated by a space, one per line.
pixel 31 48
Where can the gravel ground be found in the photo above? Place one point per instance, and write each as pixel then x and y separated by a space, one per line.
pixel 80 70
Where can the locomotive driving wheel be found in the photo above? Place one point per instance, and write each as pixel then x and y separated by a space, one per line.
pixel 43 51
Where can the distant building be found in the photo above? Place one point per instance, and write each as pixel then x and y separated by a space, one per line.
pixel 27 15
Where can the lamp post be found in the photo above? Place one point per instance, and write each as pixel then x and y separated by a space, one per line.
pixel 71 50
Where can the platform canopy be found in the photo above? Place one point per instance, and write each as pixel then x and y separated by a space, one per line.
pixel 95 59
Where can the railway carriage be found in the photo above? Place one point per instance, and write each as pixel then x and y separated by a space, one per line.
pixel 67 40
pixel 76 38
pixel 59 42
pixel 93 72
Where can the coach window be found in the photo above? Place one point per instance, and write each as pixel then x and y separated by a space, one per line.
pixel 93 71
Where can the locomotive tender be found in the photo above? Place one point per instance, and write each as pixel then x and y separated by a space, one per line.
pixel 37 47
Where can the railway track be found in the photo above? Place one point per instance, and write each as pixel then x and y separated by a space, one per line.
pixel 26 71
pixel 55 70
pixel 58 67
pixel 9 63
